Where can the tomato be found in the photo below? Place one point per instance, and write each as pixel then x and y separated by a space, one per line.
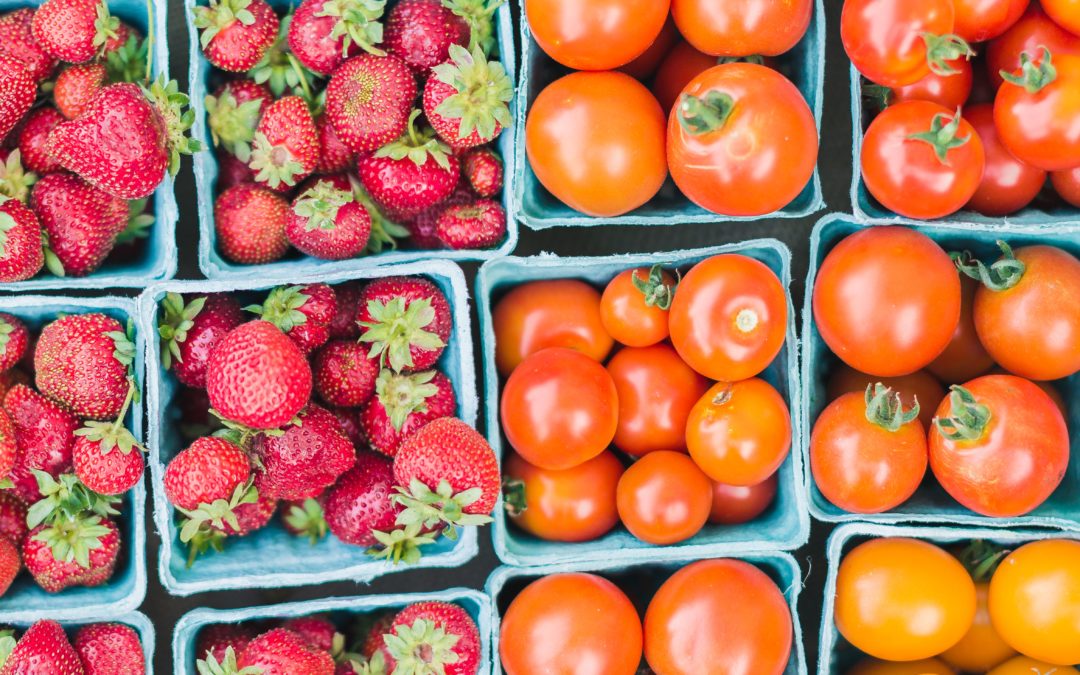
pixel 1039 120
pixel 739 433
pixel 571 623
pixel 981 648
pixel 1065 13
pixel 596 141
pixel 887 300
pixel 575 504
pixel 643 67
pixel 951 90
pixel 729 317
pixel 903 599
pixel 634 306
pixel 1034 30
pixel 1035 600
pixel 737 504
pixel 595 34
pixel 922 667
pixel 664 498
pixel 920 386
pixel 1067 185
pixel 1006 465
pixel 965 358
pixel 742 27
pixel 682 64
pixel 542 314
pixel 1008 184
pixel 1022 665
pixel 559 408
pixel 692 626
pixel 982 20
pixel 741 140
pixel 921 160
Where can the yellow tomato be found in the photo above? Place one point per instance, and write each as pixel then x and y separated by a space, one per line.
pixel 981 648
pixel 1023 665
pixel 924 667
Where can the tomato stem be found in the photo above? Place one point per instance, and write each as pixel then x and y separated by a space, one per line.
pixel 969 418
pixel 885 409
pixel 981 558
pixel 940 49
pixel 1000 276
pixel 1033 75
pixel 657 292
pixel 700 115
pixel 942 136
pixel 514 500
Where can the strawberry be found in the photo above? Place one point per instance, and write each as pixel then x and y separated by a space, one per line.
pixel 305 458
pixel 327 222
pixel 480 224
pixel 334 156
pixel 347 418
pixel 33 136
pixel 120 37
pixel 9 379
pixel 110 649
pixel 467 99
pixel 43 649
pixel 360 503
pixel 282 652
pixel 232 172
pixel 373 639
pixel 304 519
pixel 10 564
pixel 21 254
pixel 12 517
pixel 301 312
pixel 258 377
pixel 323 33
pixel 78 551
pixel 208 470
pixel 434 637
pixel 45 435
pixel 280 70
pixel 317 631
pixel 250 516
pixel 74 30
pixel 368 100
pixel 19 44
pixel 250 224
pixel 218 637
pixel 235 34
pixel 344 375
pixel 190 331
pixel 76 85
pixel 344 323
pixel 483 168
pixel 233 112
pixel 106 456
pixel 403 404
pixel 14 341
pixel 15 181
pixel 82 222
pixel 285 148
pixel 420 33
pixel 8 448
pixel 406 320
pixel 17 92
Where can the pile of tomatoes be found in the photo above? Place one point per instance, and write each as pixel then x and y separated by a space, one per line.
pixel 736 135
pixel 711 616
pixel 917 609
pixel 679 397
pixel 905 317
pixel 983 102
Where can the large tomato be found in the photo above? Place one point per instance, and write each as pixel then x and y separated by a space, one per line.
pixel 1022 665
pixel 965 358
pixel 734 504
pixel 982 20
pixel 634 306
pixel 741 140
pixel 1008 184
pixel 921 667
pixel 682 64
pixel 1067 185
pixel 922 160
pixel 1000 446
pixel 981 648
pixel 595 34
pixel 1065 13
pixel 1034 30
pixel 950 90
pixel 920 386
pixel 903 599
pixel 718 616
pixel 571 623
pixel 729 317
pixel 887 300
pixel 664 498
pixel 596 141
pixel 742 27
pixel 559 408
pixel 1037 111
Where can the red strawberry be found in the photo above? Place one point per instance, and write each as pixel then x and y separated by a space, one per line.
pixel 15 181
pixel 323 33
pixel 218 637
pixel 304 519
pixel 406 320
pixel 72 552
pixel 467 99
pixel 373 641
pixel 258 377
pixel 250 223
pixel 368 100
pixel 344 323
pixel 76 85
pixel 19 44
pixel 303 313
pixel 317 631
pixel 17 92
pixel 232 171
pixel 33 136
pixel 45 435
pixel 420 33
pixel 423 228
pixel 190 331
pixel 210 469
pixel 10 564
pixel 8 446
pixel 360 502
pixel 43 650
pixel 14 340
pixel 84 363
pixel 282 652
pixel 327 222
pixel 334 156
pixel 344 375
pixel 481 224
pixel 484 170
pixel 110 649
pixel 73 30
pixel 21 254
pixel 404 404
pixel 236 33
pixel 82 222
pixel 250 516
pixel 233 112
pixel 12 517
pixel 9 379
pixel 305 459
pixel 285 149
pixel 119 38
pixel 437 637
pixel 106 456
pixel 347 418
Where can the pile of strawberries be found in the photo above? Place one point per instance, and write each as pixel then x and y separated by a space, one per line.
pixel 330 404
pixel 86 137
pixel 340 132
pixel 97 648
pixel 65 455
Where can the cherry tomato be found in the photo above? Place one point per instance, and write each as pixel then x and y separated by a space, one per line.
pixel 691 628
pixel 643 67
pixel 542 314
pixel 595 34
pixel 965 358
pixel 903 599
pixel 1008 450
pixel 737 504
pixel 559 408
pixel 596 141
pixel 1035 600
pixel 981 648
pixel 1022 665
pixel 887 300
pixel 575 504
pixel 656 392
pixel 1008 184
pixel 729 317
pixel 982 20
pixel 664 498
pixel 922 161
pixel 739 433
pixel 741 140
pixel 682 64
pixel 1067 185
pixel 1065 13
pixel 951 90
pixel 571 623
pixel 922 667
pixel 919 386
pixel 1039 120
pixel 634 306
pixel 1034 30
pixel 742 27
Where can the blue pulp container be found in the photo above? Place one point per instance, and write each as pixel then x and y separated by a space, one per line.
pixel 835 654
pixel 136 620
pixel 214 266
pixel 185 636
pixel 784 526
pixel 539 209
pixel 25 600
pixel 640 578
pixel 272 557
pixel 931 504
pixel 157 257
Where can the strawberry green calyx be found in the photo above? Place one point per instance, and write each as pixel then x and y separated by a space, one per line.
pixel 7 645
pixel 418 145
pixel 479 14
pixel 282 307
pixel 438 508
pixel 273 164
pixel 72 540
pixel 320 204
pixel 172 105
pixel 110 435
pixel 106 26
pixel 227 665
pixel 402 395
pixel 128 63
pixel 969 417
pixel 999 276
pixel 941 49
pixel 401 545
pixel 700 115
pixel 124 350
pixel 15 181
pixel 483 91
pixel 307 520
pixel 218 15
pixel 357 24
pixel 177 318
pixel 139 222
pixel 65 498
pixel 657 292
pixel 422 647
pixel 6 329
pixel 884 408
pixel 398 328
pixel 942 136
pixel 232 124
pixel 376 665
pixel 52 262
pixel 200 520
pixel 384 232
pixel 280 70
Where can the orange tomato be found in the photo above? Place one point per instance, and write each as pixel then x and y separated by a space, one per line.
pixel 919 386
pixel 742 27
pixel 1067 185
pixel 634 306
pixel 1022 665
pixel 736 504
pixel 643 67
pixel 981 648
pixel 965 358
pixel 595 34
pixel 664 498
pixel 922 667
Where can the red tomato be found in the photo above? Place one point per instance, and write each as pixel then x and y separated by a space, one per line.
pixel 742 27
pixel 571 623
pixel 663 498
pixel 887 300
pixel 922 161
pixel 634 307
pixel 981 648
pixel 682 64
pixel 729 317
pixel 1034 30
pixel 1067 185
pixel 643 67
pixel 735 504
pixel 951 90
pixel 1008 184
pixel 965 358
pixel 1048 388
pixel 1039 122
pixel 575 504
pixel 982 20
pixel 559 408
pixel 691 628
pixel 741 140
pixel 1006 465
pixel 542 314
pixel 920 386
pixel 596 142
pixel 1065 13
pixel 595 34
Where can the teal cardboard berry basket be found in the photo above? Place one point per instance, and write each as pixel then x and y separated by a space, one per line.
pixel 136 620
pixel 186 633
pixel 25 601
pixel 931 504
pixel 640 579
pixel 211 262
pixel 784 526
pixel 271 557
pixel 154 258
